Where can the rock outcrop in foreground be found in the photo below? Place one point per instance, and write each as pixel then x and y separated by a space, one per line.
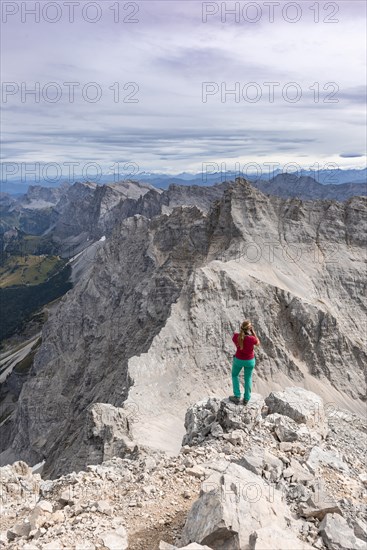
pixel 283 473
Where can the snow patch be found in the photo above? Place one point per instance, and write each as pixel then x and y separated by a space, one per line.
pixel 37 468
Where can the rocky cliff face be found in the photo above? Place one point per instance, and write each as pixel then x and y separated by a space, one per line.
pixel 87 212
pixel 148 327
pixel 42 197
pixel 78 215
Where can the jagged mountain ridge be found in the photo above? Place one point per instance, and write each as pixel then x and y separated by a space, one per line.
pixel 74 216
pixel 149 324
pixel 307 188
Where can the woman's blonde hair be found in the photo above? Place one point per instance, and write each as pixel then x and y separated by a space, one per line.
pixel 244 331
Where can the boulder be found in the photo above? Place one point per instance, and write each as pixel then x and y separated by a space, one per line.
pixel 319 456
pixel 271 538
pixel 360 529
pixel 218 418
pixel 286 429
pixel 302 406
pixel 233 503
pixel 238 417
pixel 21 529
pixel 216 430
pixel 298 492
pixel 67 497
pixel 115 539
pixel 253 460
pixel 18 484
pixel 337 535
pixel 236 437
pixel 318 505
pixel 261 462
pixel 199 419
pixel 300 474
pixel 40 514
pixel 195 471
pixel 107 432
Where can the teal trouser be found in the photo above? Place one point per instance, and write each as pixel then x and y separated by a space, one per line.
pixel 248 367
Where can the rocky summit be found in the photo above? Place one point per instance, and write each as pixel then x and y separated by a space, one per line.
pixel 245 478
pixel 121 435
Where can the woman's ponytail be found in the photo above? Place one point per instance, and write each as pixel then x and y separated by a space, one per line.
pixel 243 332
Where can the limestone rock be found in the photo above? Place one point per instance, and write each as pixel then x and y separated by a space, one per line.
pixel 195 546
pixel 253 460
pixel 67 497
pixel 196 471
pixel 236 437
pixel 199 419
pixel 105 434
pixel 337 535
pixel 302 406
pixel 40 514
pixel 233 503
pixel 271 538
pixel 166 546
pixel 300 474
pixel 104 507
pixel 233 417
pixel 286 429
pixel 222 418
pixel 259 460
pixel 115 540
pixel 19 530
pixel 360 529
pixel 318 505
pixel 319 456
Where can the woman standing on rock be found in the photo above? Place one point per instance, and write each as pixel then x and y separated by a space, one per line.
pixel 244 358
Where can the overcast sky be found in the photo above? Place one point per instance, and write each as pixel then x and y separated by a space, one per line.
pixel 168 53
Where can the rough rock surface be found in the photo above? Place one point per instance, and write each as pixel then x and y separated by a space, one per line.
pixel 337 534
pixel 228 489
pixel 304 407
pixel 233 504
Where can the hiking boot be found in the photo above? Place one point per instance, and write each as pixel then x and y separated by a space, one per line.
pixel 234 399
pixel 244 401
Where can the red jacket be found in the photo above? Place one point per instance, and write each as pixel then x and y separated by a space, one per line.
pixel 248 347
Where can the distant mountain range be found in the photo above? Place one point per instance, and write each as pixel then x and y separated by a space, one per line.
pixel 163 181
pixel 324 177
pixel 307 188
